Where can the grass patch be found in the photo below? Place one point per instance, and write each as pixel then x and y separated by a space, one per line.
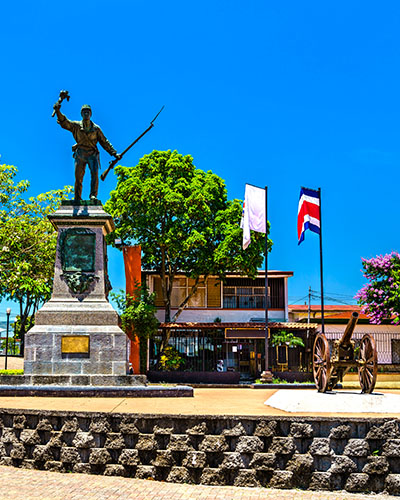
pixel 277 380
pixel 11 372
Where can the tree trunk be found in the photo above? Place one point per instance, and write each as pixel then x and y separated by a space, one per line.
pixel 143 354
pixel 164 342
pixel 165 288
pixel 167 331
pixel 189 296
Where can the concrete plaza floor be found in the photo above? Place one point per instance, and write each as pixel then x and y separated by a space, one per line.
pixel 30 484
pixel 343 401
pixel 206 401
pixel 213 401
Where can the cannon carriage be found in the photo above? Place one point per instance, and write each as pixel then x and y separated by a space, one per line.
pixel 332 362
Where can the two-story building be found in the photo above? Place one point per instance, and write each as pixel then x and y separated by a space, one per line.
pixel 221 332
pixel 222 329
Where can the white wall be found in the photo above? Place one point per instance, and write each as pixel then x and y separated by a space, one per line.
pixel 226 315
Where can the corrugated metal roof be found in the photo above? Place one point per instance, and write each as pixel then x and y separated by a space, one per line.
pixel 374 329
pixel 271 272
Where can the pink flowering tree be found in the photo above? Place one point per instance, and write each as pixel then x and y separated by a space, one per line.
pixel 380 297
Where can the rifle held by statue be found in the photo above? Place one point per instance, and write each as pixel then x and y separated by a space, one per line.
pixel 114 162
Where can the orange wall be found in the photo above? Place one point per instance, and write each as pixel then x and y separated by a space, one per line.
pixel 133 267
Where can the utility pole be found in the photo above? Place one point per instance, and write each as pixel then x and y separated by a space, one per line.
pixel 8 326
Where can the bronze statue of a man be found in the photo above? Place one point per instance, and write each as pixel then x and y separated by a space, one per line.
pixel 87 134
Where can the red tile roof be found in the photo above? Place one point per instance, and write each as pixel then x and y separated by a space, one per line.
pixel 332 311
pixel 327 307
pixel 344 315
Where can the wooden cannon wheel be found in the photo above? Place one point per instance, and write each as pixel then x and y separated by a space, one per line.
pixel 368 364
pixel 321 362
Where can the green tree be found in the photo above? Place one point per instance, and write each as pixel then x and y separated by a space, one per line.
pixel 380 296
pixel 183 220
pixel 137 314
pixel 27 244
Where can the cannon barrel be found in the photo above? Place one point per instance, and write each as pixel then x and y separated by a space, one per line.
pixel 345 340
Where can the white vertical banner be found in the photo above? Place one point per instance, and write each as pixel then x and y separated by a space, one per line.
pixel 253 217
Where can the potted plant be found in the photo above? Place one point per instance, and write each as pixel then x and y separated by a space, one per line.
pixel 282 340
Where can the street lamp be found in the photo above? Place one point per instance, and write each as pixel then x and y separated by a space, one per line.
pixel 8 311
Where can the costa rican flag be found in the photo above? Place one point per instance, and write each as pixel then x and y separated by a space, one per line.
pixel 308 214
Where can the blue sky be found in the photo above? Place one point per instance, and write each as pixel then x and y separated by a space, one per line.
pixel 282 94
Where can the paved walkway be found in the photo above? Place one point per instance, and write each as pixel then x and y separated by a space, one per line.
pixel 13 363
pixel 237 402
pixel 17 484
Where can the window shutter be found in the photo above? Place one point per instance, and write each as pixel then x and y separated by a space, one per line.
pixel 158 291
pixel 213 292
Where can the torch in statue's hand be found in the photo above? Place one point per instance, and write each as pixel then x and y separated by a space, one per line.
pixel 63 95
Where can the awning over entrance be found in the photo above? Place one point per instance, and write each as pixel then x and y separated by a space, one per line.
pixel 273 325
pixel 246 333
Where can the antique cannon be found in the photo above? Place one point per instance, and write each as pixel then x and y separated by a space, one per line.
pixel 330 364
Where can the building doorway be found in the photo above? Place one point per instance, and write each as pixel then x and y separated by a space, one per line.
pixel 248 358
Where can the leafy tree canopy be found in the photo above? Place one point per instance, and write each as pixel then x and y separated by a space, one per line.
pixel 138 317
pixel 27 243
pixel 137 312
pixel 380 297
pixel 183 220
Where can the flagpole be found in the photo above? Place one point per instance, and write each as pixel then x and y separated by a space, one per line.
pixel 320 256
pixel 266 279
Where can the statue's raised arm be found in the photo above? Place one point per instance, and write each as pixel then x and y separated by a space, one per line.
pixel 63 95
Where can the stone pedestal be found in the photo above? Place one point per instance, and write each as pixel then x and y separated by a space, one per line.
pixel 77 332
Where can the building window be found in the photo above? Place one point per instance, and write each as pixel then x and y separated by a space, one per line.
pixel 180 291
pixel 199 298
pixel 237 293
pixel 200 350
pixel 395 351
pixel 244 297
pixel 248 293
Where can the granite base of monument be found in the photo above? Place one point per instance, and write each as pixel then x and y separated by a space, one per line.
pixel 148 391
pixel 76 332
pixel 76 347
pixel 101 350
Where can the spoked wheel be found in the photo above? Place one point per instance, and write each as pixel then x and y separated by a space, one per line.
pixel 321 362
pixel 368 364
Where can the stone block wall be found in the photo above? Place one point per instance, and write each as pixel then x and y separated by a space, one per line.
pixel 357 455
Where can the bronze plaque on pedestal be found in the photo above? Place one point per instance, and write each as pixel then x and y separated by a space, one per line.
pixel 75 344
pixel 78 249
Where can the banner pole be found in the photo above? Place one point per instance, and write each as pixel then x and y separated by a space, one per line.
pixel 266 280
pixel 321 266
